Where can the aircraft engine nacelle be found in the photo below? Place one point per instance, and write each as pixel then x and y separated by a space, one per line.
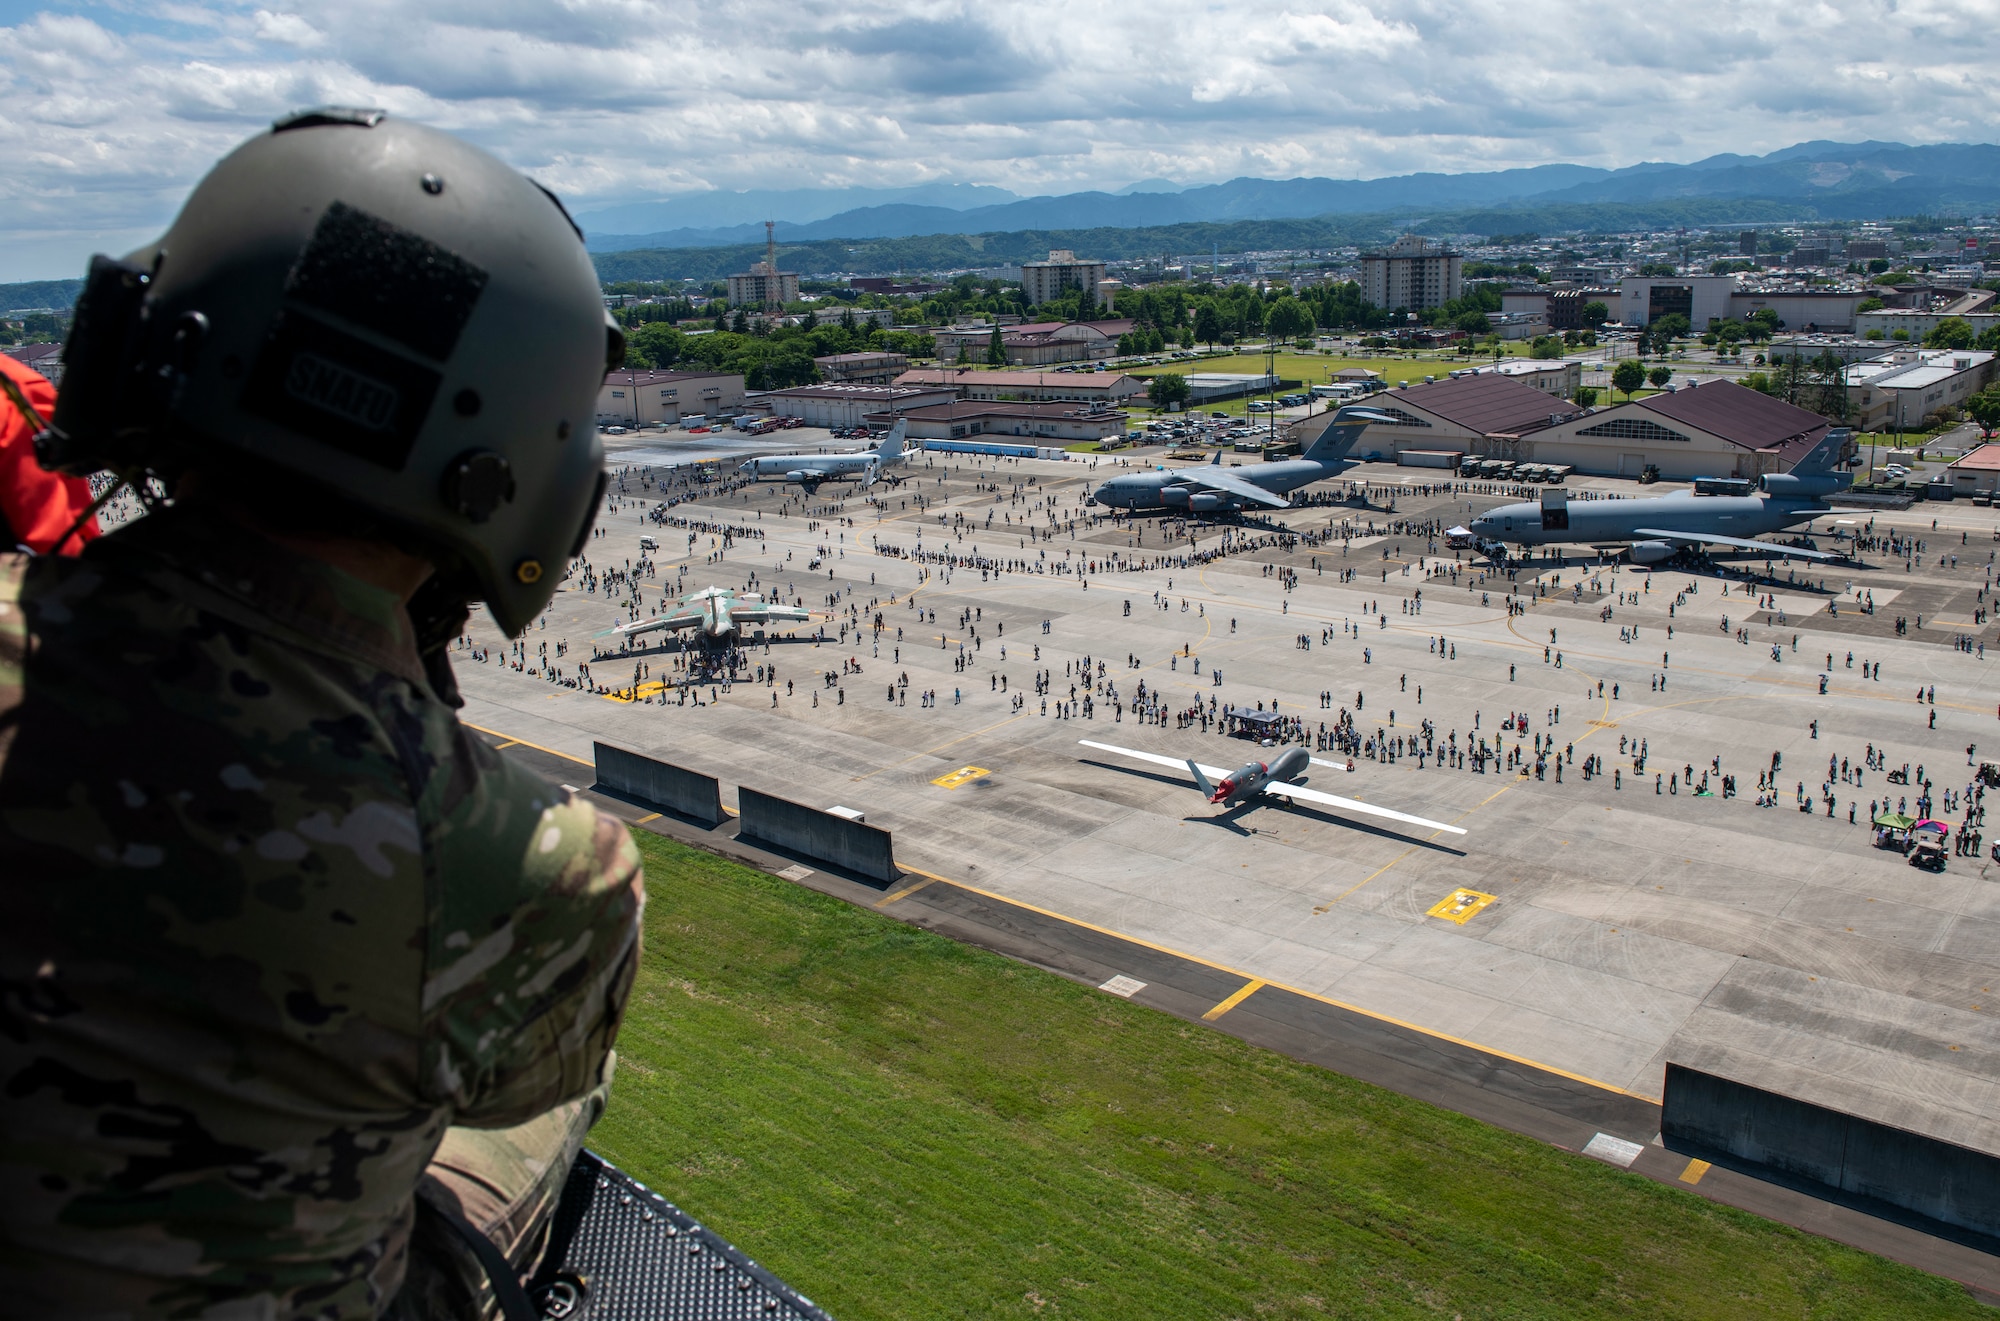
pixel 1652 552
pixel 1203 501
pixel 1786 486
pixel 1177 495
pixel 801 476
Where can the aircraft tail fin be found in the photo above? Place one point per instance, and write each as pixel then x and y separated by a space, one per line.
pixel 1201 781
pixel 1822 458
pixel 892 444
pixel 1343 432
pixel 1216 462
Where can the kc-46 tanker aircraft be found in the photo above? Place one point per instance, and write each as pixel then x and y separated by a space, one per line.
pixel 1657 529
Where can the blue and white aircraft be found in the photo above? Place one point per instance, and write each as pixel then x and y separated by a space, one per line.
pixel 809 470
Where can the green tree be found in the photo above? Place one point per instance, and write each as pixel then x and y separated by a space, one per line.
pixel 1167 388
pixel 1586 396
pixel 964 354
pixel 996 349
pixel 1207 325
pixel 1665 330
pixel 1829 373
pixel 1954 332
pixel 1628 376
pixel 1545 346
pixel 1869 305
pixel 1659 376
pixel 1758 381
pixel 1984 408
pixel 740 324
pixel 1595 314
pixel 656 342
pixel 1989 339
pixel 1288 319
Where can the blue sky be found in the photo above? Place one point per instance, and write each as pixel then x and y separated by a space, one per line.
pixel 109 112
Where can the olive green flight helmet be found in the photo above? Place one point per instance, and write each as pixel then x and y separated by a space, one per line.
pixel 394 316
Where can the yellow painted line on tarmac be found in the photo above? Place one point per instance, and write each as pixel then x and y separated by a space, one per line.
pixel 961 777
pixel 513 742
pixel 650 816
pixel 908 890
pixel 1692 1174
pixel 1243 992
pixel 510 743
pixel 1433 1033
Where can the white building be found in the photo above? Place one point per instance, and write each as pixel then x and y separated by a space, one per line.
pixel 1552 376
pixel 1899 390
pixel 1643 299
pixel 1412 275
pixel 1916 325
pixel 1043 280
pixel 634 398
pixel 848 405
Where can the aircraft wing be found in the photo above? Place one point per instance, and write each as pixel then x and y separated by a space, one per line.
pixel 1305 795
pixel 679 619
pixel 1174 763
pixel 1331 765
pixel 1227 483
pixel 1747 543
pixel 769 614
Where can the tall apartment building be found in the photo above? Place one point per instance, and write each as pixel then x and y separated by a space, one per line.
pixel 1043 280
pixel 1746 242
pixel 754 286
pixel 1414 274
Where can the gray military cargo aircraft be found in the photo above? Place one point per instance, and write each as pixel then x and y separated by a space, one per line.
pixel 1659 528
pixel 1281 777
pixel 1212 488
pixel 809 470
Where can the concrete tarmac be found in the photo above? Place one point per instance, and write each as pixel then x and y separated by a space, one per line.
pixel 1612 906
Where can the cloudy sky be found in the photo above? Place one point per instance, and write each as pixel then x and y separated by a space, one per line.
pixel 109 111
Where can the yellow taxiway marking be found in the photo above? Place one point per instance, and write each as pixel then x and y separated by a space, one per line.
pixel 1243 992
pixel 1692 1174
pixel 961 777
pixel 512 742
pixel 931 752
pixel 1433 1033
pixel 908 890
pixel 650 816
pixel 1460 905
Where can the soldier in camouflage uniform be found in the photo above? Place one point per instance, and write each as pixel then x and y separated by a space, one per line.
pixel 278 935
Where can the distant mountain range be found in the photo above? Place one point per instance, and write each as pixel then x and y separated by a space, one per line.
pixel 1827 180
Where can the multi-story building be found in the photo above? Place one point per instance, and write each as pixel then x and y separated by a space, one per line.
pixel 1044 280
pixel 1412 275
pixel 862 368
pixel 1899 390
pixel 754 286
pixel 1746 243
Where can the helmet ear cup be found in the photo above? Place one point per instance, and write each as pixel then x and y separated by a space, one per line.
pixel 477 483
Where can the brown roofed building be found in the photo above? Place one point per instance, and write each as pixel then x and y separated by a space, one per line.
pixel 1080 387
pixel 1046 422
pixel 1720 429
pixel 1477 413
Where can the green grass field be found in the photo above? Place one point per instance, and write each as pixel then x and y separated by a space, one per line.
pixel 904 1127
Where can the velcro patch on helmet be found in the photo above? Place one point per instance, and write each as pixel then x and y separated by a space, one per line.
pixel 340 390
pixel 400 285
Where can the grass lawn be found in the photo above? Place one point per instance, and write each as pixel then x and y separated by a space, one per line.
pixel 905 1127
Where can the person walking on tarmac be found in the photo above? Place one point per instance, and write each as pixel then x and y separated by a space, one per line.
pixel 310 996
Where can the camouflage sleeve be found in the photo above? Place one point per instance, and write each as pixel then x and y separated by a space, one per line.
pixel 533 940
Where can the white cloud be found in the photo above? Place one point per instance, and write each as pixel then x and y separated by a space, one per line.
pixel 109 110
